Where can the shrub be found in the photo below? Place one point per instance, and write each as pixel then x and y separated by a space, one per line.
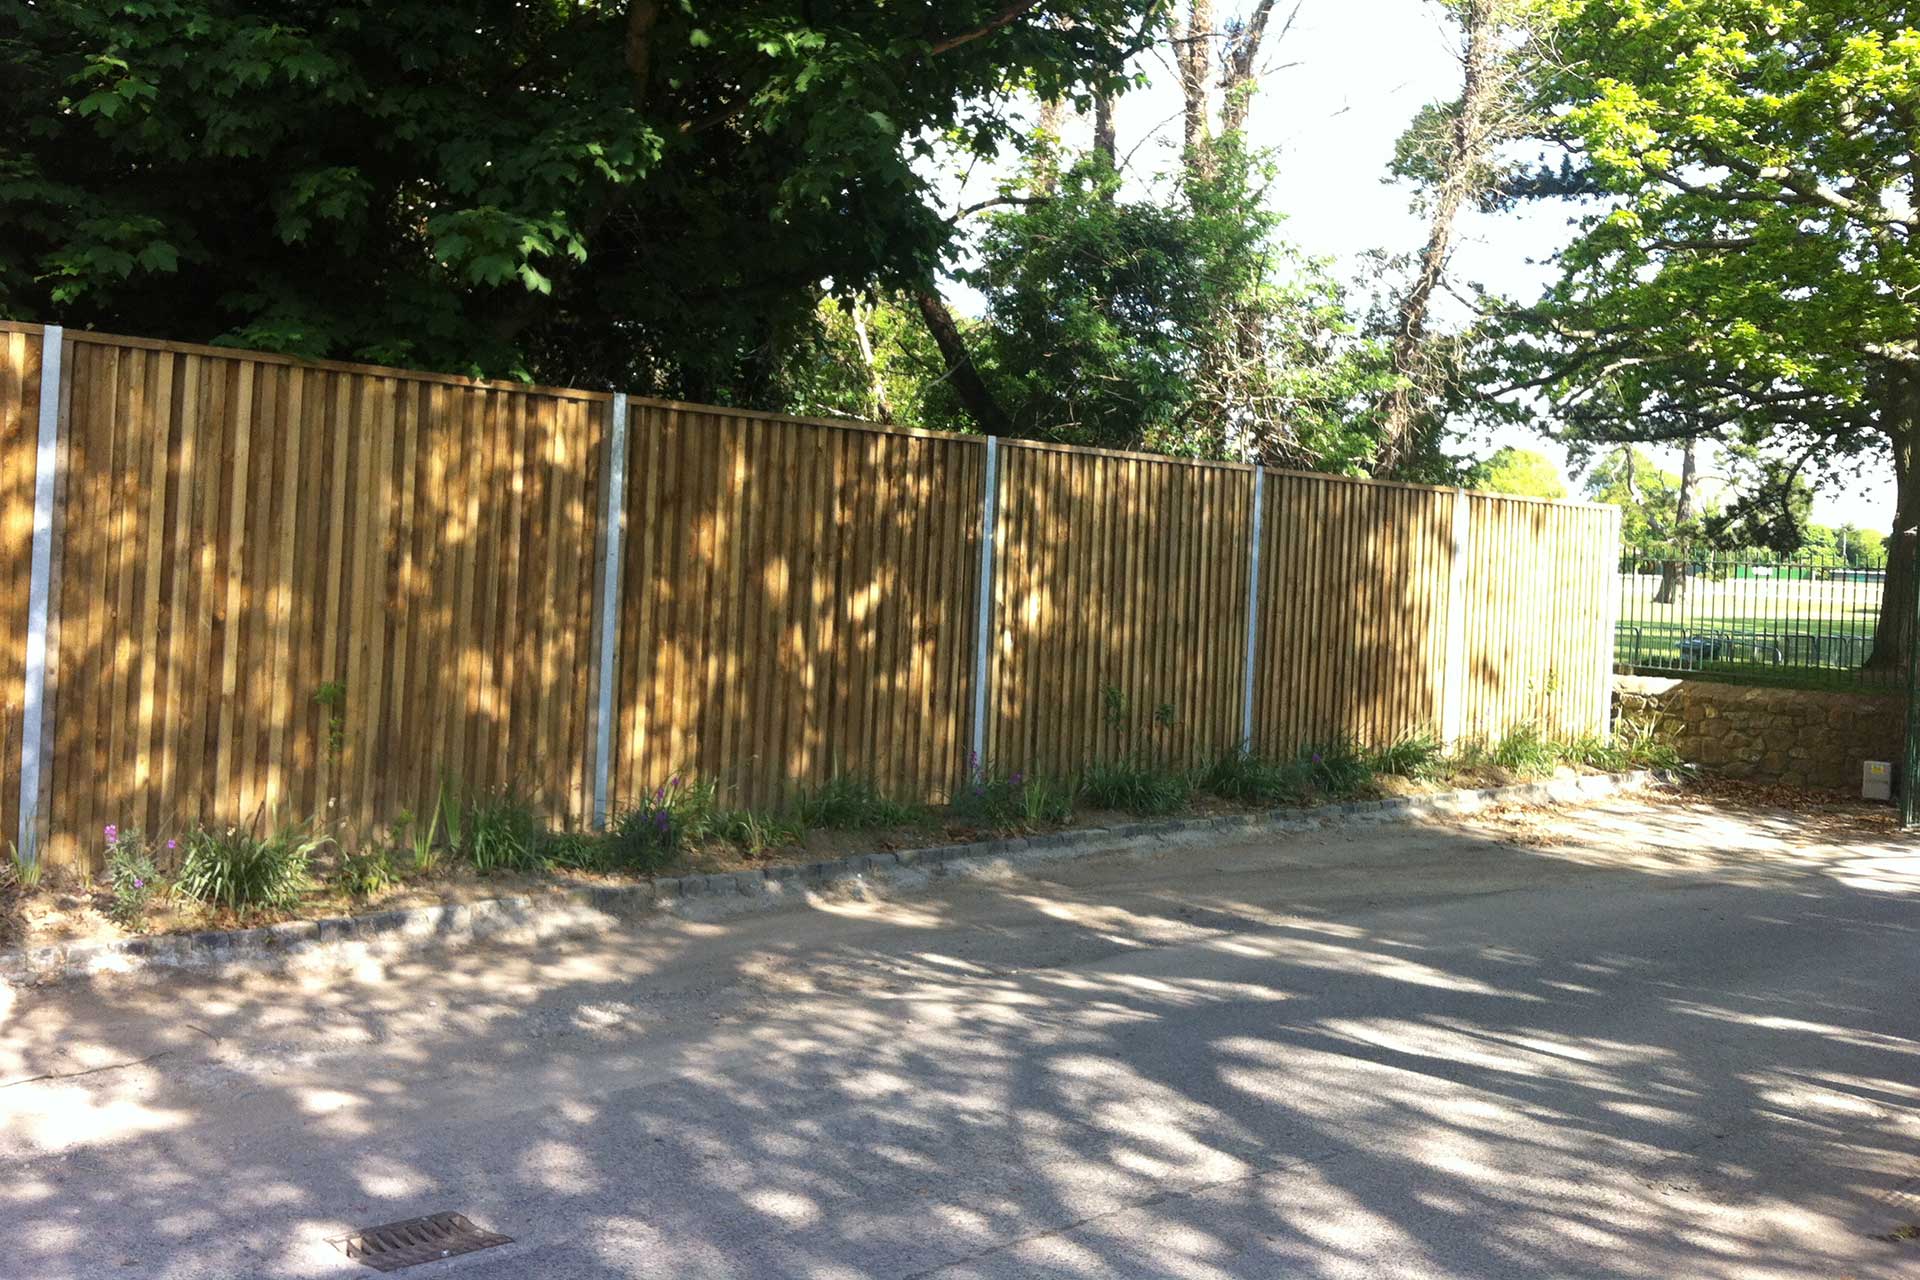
pixel 987 799
pixel 1247 777
pixel 236 869
pixel 850 803
pixel 1138 787
pixel 650 835
pixel 361 875
pixel 503 834
pixel 132 878
pixel 1338 770
pixel 574 850
pixel 642 838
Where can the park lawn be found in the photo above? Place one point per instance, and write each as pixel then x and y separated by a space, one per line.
pixel 1757 605
pixel 1800 621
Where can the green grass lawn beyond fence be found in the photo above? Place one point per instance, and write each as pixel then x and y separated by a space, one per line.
pixel 1796 625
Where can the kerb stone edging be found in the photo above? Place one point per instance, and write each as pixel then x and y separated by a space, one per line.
pixel 342 940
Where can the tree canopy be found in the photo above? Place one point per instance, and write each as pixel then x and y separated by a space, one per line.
pixel 1749 272
pixel 1176 320
pixel 1524 473
pixel 647 191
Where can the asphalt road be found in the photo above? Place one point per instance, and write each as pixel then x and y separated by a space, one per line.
pixel 1646 1039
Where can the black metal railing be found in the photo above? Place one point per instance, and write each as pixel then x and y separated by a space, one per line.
pixel 1809 621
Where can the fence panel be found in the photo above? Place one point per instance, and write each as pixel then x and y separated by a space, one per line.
pixel 238 533
pixel 19 436
pixel 797 601
pixel 1354 598
pixel 1538 616
pixel 1120 598
pixel 286 589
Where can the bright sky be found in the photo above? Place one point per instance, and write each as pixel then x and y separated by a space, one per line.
pixel 1340 89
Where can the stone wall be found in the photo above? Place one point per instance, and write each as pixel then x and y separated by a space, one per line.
pixel 1798 737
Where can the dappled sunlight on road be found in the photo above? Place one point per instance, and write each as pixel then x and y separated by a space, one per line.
pixel 1399 1053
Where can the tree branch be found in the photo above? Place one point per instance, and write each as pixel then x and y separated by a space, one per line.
pixel 1006 17
pixel 967 382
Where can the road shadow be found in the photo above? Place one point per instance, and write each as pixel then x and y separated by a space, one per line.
pixel 1679 1040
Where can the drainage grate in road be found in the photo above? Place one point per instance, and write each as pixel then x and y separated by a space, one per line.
pixel 418 1240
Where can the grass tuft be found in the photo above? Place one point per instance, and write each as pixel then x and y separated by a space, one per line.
pixel 238 870
pixel 576 851
pixel 849 802
pixel 1411 755
pixel 1246 777
pixel 503 834
pixel 1137 787
pixel 756 833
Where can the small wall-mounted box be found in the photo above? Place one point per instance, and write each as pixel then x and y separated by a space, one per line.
pixel 1876 780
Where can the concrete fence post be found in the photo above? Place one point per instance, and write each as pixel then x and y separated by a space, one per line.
pixel 1253 611
pixel 36 719
pixel 607 643
pixel 983 621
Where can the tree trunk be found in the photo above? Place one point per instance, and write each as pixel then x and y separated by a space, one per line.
pixel 1103 129
pixel 1891 636
pixel 967 382
pixel 1195 60
pixel 877 404
pixel 1404 427
pixel 1243 49
pixel 1673 573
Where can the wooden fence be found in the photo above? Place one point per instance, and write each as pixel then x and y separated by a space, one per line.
pixel 281 588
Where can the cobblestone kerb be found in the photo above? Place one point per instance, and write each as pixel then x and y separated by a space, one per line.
pixel 341 940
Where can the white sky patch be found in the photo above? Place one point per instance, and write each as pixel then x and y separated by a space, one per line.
pixel 1339 91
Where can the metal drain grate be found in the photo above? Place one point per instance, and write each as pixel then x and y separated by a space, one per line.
pixel 418 1240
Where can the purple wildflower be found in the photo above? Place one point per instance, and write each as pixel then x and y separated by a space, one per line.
pixel 659 794
pixel 169 844
pixel 112 833
pixel 1014 780
pixel 138 883
pixel 1316 757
